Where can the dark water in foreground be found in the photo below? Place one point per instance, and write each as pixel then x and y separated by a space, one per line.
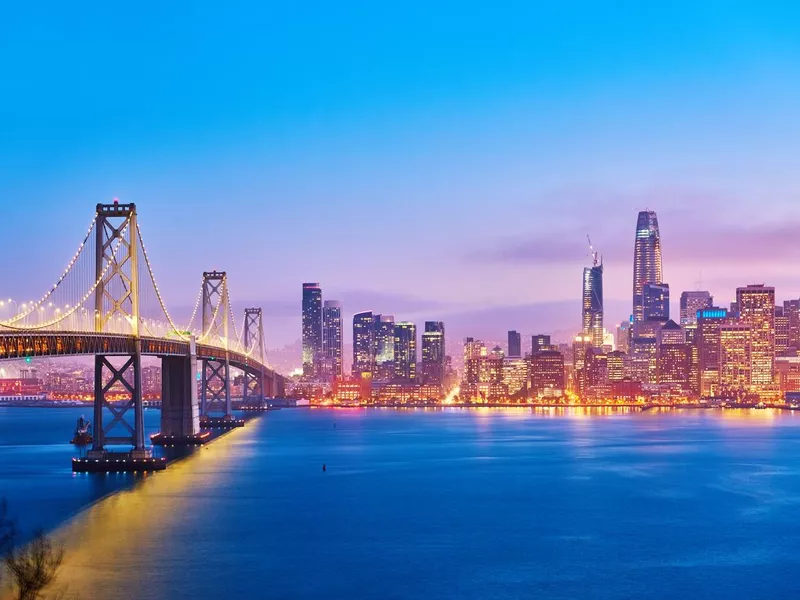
pixel 436 504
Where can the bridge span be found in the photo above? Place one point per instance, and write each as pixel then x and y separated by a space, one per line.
pixel 107 304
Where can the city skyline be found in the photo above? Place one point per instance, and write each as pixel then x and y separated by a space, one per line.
pixel 502 149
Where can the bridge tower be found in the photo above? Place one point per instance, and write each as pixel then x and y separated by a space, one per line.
pixel 253 339
pixel 117 311
pixel 215 388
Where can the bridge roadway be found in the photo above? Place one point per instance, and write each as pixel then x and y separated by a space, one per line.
pixel 22 345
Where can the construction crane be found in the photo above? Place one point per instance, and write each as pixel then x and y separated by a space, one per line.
pixel 593 253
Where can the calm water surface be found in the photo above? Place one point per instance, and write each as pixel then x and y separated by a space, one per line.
pixel 431 504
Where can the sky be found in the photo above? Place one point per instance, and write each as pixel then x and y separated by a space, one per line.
pixel 431 160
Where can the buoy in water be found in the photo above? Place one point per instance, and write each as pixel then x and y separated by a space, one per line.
pixel 324 468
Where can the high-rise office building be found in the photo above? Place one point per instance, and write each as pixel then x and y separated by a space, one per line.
pixel 514 344
pixel 405 351
pixel 363 345
pixel 332 339
pixel 540 342
pixel 433 353
pixel 674 359
pixel 756 305
pixel 312 327
pixel 791 309
pixel 623 337
pixel 581 347
pixel 616 365
pixel 516 373
pixel 691 302
pixel 547 373
pixel 383 326
pixel 709 321
pixel 646 259
pixel 781 331
pixel 655 302
pixel 593 303
pixel 735 362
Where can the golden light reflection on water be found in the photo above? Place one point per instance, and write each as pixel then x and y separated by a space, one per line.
pixel 123 528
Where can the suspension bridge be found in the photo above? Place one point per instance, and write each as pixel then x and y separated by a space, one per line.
pixel 107 303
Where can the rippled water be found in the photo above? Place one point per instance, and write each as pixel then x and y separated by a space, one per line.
pixel 437 504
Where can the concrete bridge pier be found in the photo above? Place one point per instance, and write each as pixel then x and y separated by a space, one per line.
pixel 180 412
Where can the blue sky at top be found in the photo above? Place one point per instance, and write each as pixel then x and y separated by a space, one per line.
pixel 426 157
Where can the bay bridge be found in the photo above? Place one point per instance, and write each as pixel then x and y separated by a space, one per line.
pixel 107 303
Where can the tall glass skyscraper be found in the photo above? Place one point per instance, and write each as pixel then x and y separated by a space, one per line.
pixel 655 302
pixel 646 259
pixel 312 327
pixel 593 304
pixel 332 338
pixel 405 351
pixel 514 344
pixel 363 344
pixel 384 347
pixel 433 353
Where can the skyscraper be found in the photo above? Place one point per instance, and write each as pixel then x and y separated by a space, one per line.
pixel 405 351
pixel 540 342
pixel 332 338
pixel 709 321
pixel 735 362
pixel 363 345
pixel 756 305
pixel 514 344
pixel 655 302
pixel 384 347
pixel 312 327
pixel 691 302
pixel 433 353
pixel 593 303
pixel 646 259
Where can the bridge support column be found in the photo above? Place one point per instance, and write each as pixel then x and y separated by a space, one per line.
pixel 180 414
pixel 215 389
pixel 118 431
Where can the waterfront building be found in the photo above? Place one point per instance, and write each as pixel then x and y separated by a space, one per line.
pixel 364 345
pixel 405 351
pixel 593 303
pixel 433 353
pixel 516 373
pixel 547 373
pixel 383 340
pixel 597 382
pixel 312 327
pixel 646 259
pixel 332 339
pixel 791 309
pixel 644 360
pixel 674 360
pixel 756 305
pixel 787 373
pixel 483 373
pixel 781 332
pixel 151 380
pixel 709 321
pixel 735 361
pixel 514 344
pixel 581 346
pixel 615 362
pixel 694 361
pixel 691 302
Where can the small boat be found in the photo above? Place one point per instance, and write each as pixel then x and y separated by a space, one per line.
pixel 83 432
